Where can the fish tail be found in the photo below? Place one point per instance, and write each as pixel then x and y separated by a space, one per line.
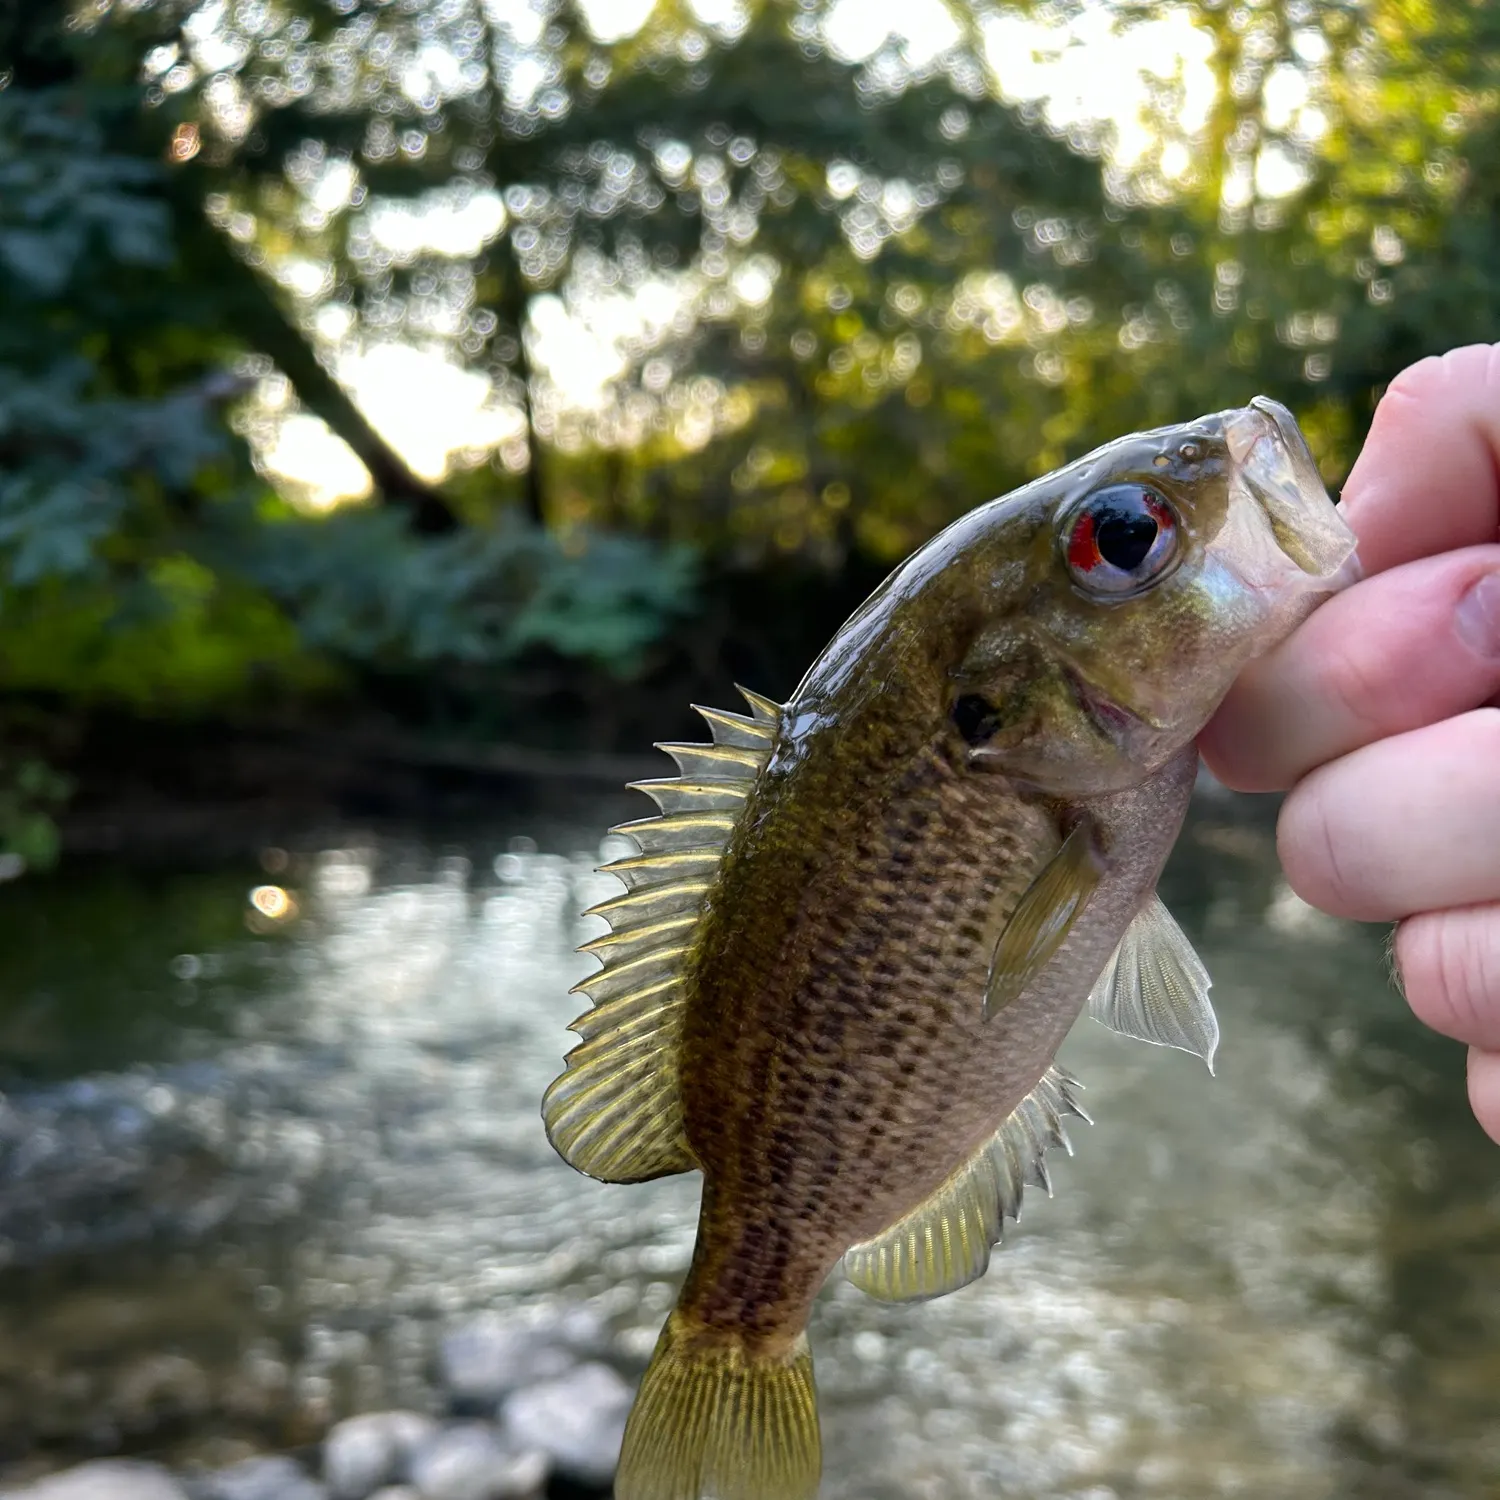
pixel 716 1419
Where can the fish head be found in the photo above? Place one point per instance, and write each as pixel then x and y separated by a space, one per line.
pixel 1129 589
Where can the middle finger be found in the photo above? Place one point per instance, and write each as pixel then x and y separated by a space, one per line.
pixel 1407 824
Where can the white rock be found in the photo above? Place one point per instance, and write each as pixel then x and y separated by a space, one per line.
pixel 469 1462
pixel 271 1478
pixel 109 1479
pixel 485 1360
pixel 365 1452
pixel 578 1420
pixel 397 1492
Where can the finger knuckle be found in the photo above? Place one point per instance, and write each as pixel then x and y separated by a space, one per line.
pixel 1449 964
pixel 1310 851
pixel 1356 684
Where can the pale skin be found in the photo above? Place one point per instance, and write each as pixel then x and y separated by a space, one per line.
pixel 1382 713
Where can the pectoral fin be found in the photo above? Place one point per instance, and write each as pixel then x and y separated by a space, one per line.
pixel 1046 913
pixel 1155 987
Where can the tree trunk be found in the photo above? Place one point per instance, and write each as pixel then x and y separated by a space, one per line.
pixel 515 306
pixel 262 323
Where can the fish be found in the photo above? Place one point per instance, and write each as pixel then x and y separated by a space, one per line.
pixel 862 921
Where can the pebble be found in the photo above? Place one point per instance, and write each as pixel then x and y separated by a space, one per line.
pixel 363 1453
pixel 481 1363
pixel 577 1420
pixel 109 1479
pixel 275 1478
pixel 554 1414
pixel 469 1462
pixel 158 1389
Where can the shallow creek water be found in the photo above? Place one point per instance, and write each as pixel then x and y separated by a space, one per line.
pixel 253 1162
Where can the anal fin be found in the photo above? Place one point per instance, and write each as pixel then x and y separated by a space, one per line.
pixel 944 1243
pixel 1155 988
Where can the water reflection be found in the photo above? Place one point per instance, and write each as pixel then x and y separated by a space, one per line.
pixel 265 1132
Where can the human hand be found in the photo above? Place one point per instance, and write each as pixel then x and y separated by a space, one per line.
pixel 1381 712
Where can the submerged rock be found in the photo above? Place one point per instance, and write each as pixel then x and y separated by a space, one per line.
pixel 470 1462
pixel 578 1420
pixel 273 1478
pixel 481 1363
pixel 365 1452
pixel 109 1479
pixel 158 1389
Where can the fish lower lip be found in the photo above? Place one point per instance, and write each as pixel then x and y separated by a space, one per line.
pixel 1277 467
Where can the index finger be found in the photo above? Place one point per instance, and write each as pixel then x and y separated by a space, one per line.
pixel 1426 479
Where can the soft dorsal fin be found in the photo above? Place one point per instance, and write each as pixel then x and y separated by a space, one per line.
pixel 944 1243
pixel 1155 987
pixel 615 1112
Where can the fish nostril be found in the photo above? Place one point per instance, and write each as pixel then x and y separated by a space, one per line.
pixel 975 718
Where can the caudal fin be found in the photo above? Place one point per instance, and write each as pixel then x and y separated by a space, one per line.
pixel 714 1421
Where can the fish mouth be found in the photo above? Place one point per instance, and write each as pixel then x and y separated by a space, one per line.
pixel 1278 469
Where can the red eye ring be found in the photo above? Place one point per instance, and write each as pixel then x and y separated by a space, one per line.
pixel 1121 539
pixel 1083 545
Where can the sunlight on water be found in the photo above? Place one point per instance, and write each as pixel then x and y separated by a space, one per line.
pixel 259 1216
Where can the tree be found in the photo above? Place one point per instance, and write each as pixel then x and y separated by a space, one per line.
pixel 865 296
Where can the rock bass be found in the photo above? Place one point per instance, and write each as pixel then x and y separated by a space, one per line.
pixel 865 919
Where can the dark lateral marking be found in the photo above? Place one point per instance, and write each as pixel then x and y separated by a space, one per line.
pixel 975 718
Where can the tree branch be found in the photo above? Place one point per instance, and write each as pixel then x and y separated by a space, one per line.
pixel 263 324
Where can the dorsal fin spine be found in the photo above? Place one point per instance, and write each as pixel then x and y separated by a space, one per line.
pixel 611 946
pixel 615 1112
pixel 736 729
pixel 762 709
pixel 650 902
pixel 671 833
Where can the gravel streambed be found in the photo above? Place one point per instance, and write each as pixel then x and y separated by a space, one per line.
pixel 531 1408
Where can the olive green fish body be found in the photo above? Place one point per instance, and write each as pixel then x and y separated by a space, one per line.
pixel 836 1067
pixel 864 921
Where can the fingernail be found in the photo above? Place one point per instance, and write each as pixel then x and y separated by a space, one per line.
pixel 1478 616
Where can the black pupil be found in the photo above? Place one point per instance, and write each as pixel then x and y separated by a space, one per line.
pixel 1123 532
pixel 975 718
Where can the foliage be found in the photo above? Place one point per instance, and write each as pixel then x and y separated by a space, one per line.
pixel 30 794
pixel 142 557
pixel 834 302
pixel 359 587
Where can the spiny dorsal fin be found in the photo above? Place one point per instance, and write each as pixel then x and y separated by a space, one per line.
pixel 944 1243
pixel 615 1112
pixel 1155 987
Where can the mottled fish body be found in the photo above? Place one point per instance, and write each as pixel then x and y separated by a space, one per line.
pixel 865 920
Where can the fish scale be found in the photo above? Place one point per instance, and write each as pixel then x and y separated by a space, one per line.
pixel 864 921
pixel 901 985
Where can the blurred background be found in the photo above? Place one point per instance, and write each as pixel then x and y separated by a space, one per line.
pixel 407 407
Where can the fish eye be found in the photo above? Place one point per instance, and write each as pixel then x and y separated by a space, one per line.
pixel 1122 539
